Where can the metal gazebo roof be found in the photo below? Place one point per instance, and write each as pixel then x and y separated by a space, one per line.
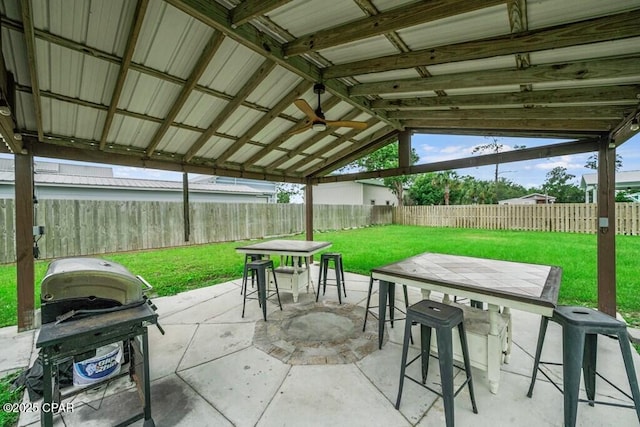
pixel 209 86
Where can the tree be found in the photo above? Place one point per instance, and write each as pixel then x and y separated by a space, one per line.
pixel 423 192
pixel 387 158
pixel 592 162
pixel 446 180
pixel 558 184
pixel 494 147
pixel 285 191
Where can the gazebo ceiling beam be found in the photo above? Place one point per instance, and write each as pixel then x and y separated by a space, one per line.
pixel 385 22
pixel 613 27
pixel 553 150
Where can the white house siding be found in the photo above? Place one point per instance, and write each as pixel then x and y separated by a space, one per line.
pixel 378 195
pixel 338 193
pixel 352 193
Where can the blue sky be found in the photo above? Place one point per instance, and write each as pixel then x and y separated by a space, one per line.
pixel 435 148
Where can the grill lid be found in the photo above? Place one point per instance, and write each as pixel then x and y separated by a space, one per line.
pixel 89 278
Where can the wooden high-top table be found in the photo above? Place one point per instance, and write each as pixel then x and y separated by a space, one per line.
pixel 289 278
pixel 501 284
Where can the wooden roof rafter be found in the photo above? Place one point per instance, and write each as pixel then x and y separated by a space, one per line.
pixel 386 22
pixel 320 153
pixel 217 17
pixel 138 18
pixel 288 133
pixel 30 41
pixel 258 76
pixel 613 27
pixel 203 61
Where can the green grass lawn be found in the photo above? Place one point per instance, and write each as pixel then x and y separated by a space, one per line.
pixel 179 269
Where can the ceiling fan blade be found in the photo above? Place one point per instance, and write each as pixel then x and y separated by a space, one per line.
pixel 296 130
pixel 306 108
pixel 347 124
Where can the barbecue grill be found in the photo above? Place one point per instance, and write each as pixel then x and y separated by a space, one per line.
pixel 87 286
pixel 89 303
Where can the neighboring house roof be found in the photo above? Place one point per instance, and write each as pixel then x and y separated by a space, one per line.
pixel 129 183
pixel 372 181
pixel 532 196
pixel 624 180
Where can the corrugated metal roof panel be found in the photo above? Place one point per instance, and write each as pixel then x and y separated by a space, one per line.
pixel 359 50
pixel 482 23
pixel 14 42
pixel 271 131
pixel 177 140
pixel 543 13
pixel 131 132
pixel 170 40
pixel 244 153
pixel 271 157
pixel 627 46
pixel 308 16
pixel 277 84
pixel 241 120
pixel 231 67
pixel 146 94
pixel 383 5
pixel 200 109
pixel 214 147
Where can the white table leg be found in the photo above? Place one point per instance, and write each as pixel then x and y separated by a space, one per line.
pixel 507 350
pixel 494 350
pixel 426 293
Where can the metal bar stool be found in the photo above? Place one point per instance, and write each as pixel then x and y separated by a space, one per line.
pixel 391 303
pixel 580 329
pixel 443 318
pixel 324 268
pixel 245 273
pixel 260 267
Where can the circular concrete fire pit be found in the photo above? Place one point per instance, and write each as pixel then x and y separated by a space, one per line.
pixel 317 334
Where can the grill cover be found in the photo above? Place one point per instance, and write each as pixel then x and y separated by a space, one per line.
pixel 86 284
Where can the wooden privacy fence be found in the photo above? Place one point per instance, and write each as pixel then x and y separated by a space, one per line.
pixel 564 217
pixel 87 227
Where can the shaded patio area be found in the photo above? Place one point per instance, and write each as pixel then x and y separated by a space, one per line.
pixel 210 369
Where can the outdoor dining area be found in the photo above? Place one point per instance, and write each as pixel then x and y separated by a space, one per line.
pixel 337 355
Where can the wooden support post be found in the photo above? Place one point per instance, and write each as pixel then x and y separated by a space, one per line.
pixel 404 149
pixel 185 206
pixel 24 241
pixel 308 209
pixel 606 229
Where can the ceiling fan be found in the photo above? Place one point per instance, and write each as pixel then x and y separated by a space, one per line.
pixel 315 118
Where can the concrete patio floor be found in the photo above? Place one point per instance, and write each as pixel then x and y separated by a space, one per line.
pixel 206 371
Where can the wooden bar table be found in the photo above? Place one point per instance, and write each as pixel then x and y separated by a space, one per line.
pixel 289 278
pixel 501 284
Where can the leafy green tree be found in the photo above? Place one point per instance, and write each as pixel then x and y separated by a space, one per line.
pixel 423 192
pixel 592 162
pixel 474 191
pixel 285 191
pixel 387 158
pixel 558 184
pixel 623 196
pixel 446 180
